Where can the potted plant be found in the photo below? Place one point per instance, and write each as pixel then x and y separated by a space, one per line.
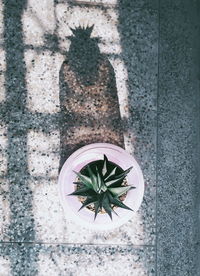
pixel 101 186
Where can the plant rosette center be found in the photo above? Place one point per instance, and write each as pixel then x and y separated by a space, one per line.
pixel 101 186
pixel 91 207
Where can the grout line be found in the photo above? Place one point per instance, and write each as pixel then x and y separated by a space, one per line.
pixel 92 4
pixel 78 244
pixel 97 5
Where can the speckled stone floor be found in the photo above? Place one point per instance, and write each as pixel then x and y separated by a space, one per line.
pixel 149 53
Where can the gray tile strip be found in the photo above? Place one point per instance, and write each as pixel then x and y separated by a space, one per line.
pixel 178 134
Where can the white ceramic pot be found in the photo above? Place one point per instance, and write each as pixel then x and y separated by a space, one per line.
pixel 80 159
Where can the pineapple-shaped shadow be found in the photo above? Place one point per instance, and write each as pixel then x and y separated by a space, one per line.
pixel 88 96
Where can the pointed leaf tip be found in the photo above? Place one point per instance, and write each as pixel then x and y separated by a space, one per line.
pixel 119 203
pixel 118 191
pixel 84 179
pixel 87 202
pixel 105 165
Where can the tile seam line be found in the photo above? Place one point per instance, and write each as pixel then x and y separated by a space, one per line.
pixel 78 244
pixel 97 5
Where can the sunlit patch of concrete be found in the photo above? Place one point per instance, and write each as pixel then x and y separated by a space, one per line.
pixel 122 89
pixel 1 21
pixel 43 153
pixel 4 210
pixel 43 160
pixel 95 261
pixel 2 55
pixel 38 141
pixel 5 266
pixel 38 19
pixel 43 81
pixel 104 23
pixel 46 266
pixel 4 187
pixel 48 216
pixel 3 148
pixel 110 47
pixel 2 76
pixel 129 233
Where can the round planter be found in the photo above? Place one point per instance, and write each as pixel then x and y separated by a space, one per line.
pixel 80 159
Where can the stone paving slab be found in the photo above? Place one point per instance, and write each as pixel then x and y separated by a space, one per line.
pixel 30 204
pixel 74 260
pixel 178 140
pixel 33 46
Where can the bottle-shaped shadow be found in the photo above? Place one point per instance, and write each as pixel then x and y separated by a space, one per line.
pixel 88 96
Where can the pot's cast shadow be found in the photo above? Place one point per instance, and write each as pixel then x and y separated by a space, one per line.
pixel 88 96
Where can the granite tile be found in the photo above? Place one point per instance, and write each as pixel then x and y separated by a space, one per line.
pixel 30 259
pixel 18 259
pixel 16 201
pixel 139 42
pixel 52 225
pixel 34 196
pixel 178 139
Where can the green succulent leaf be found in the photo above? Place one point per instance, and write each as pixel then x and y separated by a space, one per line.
pixel 107 207
pixel 117 178
pixel 84 179
pixel 101 199
pixel 99 180
pixel 101 185
pixel 83 192
pixel 125 172
pixel 98 205
pixel 111 174
pixel 97 208
pixel 114 182
pixel 94 180
pixel 118 191
pixel 105 165
pixel 119 203
pixel 88 201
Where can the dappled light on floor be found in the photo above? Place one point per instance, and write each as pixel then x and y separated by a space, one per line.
pixel 43 154
pixel 38 19
pixel 2 75
pixel 42 81
pixel 46 28
pixel 89 261
pixel 4 189
pixel 5 266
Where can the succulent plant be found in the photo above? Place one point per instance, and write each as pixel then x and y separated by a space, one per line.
pixel 101 184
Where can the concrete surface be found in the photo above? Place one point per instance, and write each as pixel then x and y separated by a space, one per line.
pixel 152 47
